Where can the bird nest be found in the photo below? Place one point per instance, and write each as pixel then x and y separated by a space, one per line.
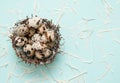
pixel 36 40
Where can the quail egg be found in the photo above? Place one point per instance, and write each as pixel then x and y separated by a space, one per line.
pixel 38 46
pixel 47 52
pixel 21 30
pixel 44 38
pixel 38 54
pixel 42 29
pixel 51 35
pixel 20 41
pixel 36 38
pixel 28 50
pixel 34 22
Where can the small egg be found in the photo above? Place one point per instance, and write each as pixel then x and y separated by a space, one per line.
pixel 31 32
pixel 34 22
pixel 28 50
pixel 42 29
pixel 44 38
pixel 51 35
pixel 38 46
pixel 47 52
pixel 21 30
pixel 20 41
pixel 38 54
pixel 36 38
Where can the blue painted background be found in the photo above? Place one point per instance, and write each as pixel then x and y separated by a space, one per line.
pixel 91 49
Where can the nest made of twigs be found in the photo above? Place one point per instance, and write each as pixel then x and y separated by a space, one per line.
pixel 36 40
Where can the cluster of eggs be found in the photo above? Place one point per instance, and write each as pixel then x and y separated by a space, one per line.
pixel 36 38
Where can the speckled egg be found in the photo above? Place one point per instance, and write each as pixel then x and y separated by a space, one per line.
pixel 38 46
pixel 20 41
pixel 51 35
pixel 21 30
pixel 36 38
pixel 42 29
pixel 47 52
pixel 34 22
pixel 38 54
pixel 44 38
pixel 28 50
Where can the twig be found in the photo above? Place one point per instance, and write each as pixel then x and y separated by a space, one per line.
pixel 34 80
pixel 61 13
pixel 100 32
pixel 5 52
pixel 83 34
pixel 108 68
pixel 72 67
pixel 10 73
pixel 59 18
pixel 5 64
pixel 74 10
pixel 80 58
pixel 108 6
pixel 88 20
pixel 43 73
pixel 109 30
pixel 35 7
pixel 117 41
pixel 61 81
pixel 61 71
pixel 77 76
